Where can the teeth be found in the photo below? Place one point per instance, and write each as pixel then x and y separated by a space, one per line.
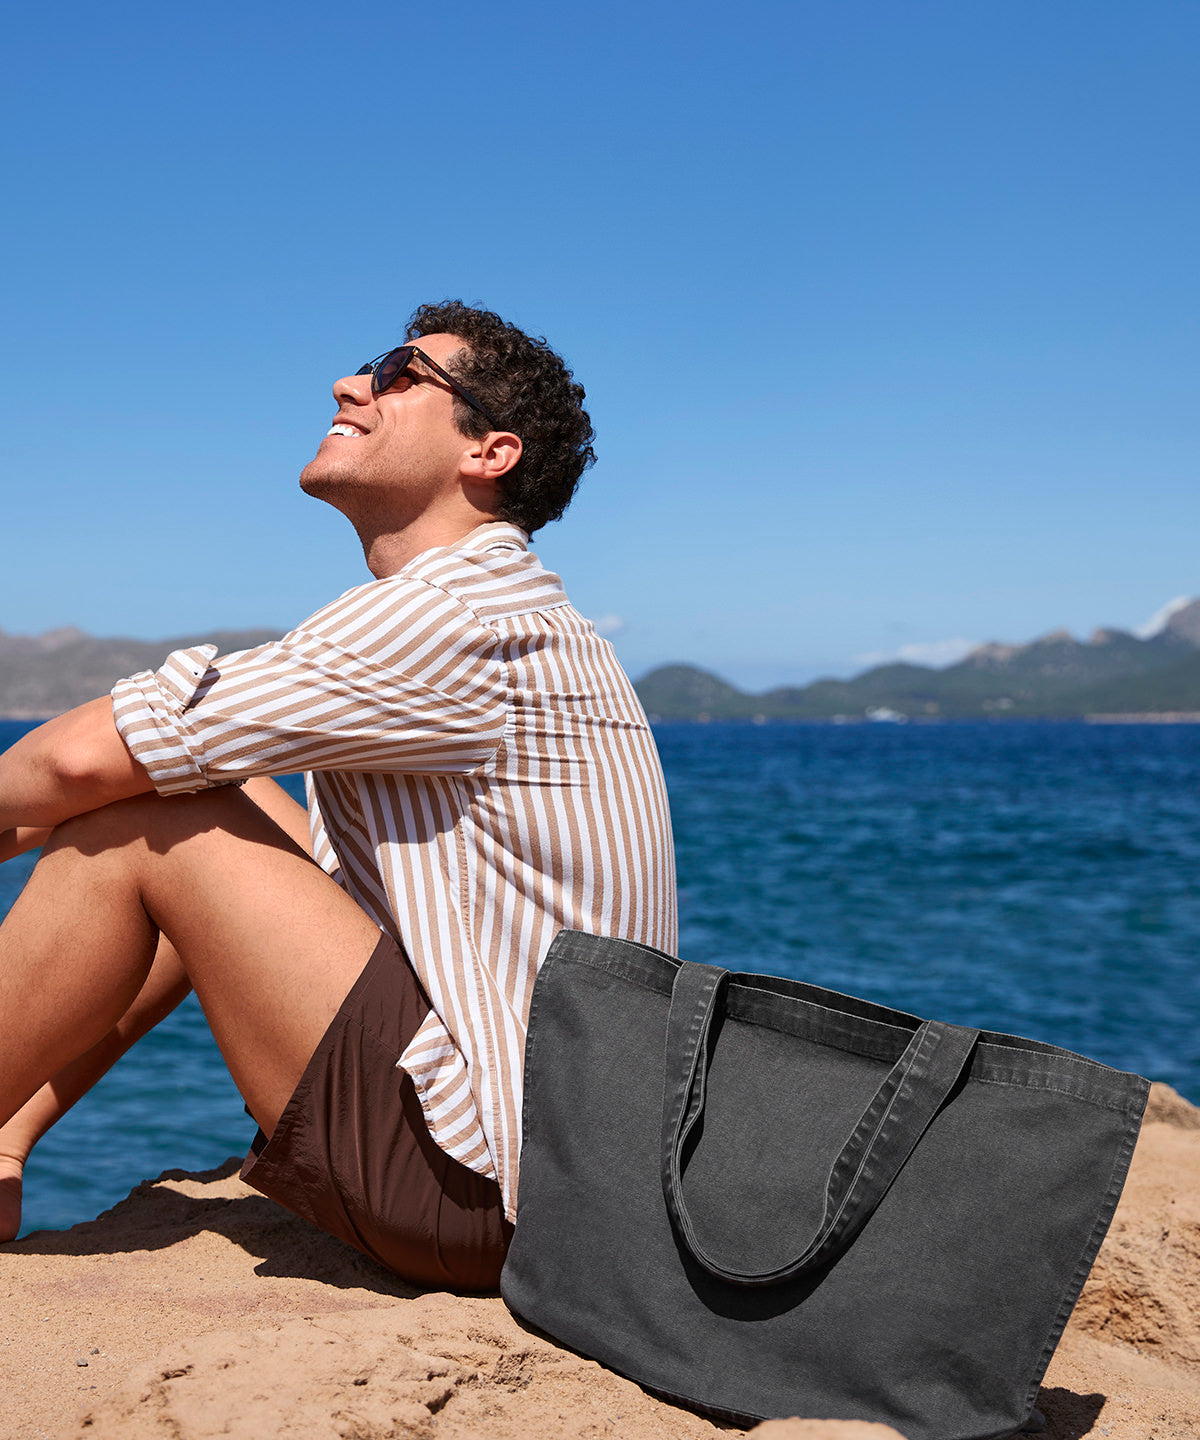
pixel 347 430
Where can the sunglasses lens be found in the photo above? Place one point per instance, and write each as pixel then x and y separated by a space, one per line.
pixel 390 367
pixel 365 370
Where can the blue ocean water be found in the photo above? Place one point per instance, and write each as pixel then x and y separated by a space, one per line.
pixel 1042 879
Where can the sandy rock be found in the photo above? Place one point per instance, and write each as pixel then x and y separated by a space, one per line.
pixel 1144 1289
pixel 458 1368
pixel 203 1310
pixel 1168 1107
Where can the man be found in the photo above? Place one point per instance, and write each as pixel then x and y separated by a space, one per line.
pixel 481 776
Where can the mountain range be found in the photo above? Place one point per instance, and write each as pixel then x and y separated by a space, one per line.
pixel 1112 673
pixel 1057 676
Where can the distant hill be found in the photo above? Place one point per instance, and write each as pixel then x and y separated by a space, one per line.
pixel 43 675
pixel 1056 676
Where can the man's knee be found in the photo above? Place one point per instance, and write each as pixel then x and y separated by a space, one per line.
pixel 157 821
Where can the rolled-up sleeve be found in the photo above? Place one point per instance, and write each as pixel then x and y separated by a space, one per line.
pixel 395 676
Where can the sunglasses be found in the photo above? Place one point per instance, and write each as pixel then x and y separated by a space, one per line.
pixel 386 369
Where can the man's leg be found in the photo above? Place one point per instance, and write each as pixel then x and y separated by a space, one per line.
pixel 165 987
pixel 270 943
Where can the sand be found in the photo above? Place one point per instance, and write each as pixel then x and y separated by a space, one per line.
pixel 196 1309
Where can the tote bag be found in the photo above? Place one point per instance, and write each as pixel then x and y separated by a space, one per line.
pixel 760 1198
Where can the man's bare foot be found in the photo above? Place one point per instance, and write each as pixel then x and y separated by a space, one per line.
pixel 10 1196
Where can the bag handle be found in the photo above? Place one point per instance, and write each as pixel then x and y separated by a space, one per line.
pixel 886 1135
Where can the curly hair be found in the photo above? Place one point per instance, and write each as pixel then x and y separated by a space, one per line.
pixel 531 392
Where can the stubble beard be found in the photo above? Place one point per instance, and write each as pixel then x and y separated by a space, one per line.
pixel 365 498
pixel 328 477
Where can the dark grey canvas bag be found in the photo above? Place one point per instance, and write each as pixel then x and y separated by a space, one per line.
pixel 762 1198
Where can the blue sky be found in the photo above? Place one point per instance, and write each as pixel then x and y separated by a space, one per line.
pixel 887 312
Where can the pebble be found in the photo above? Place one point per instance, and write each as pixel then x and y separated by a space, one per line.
pixel 79 1360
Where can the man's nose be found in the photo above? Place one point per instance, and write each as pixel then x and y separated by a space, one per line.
pixel 353 390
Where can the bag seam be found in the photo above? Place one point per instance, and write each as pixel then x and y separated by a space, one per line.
pixel 850 1047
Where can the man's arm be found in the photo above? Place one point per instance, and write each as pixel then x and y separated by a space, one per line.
pixel 204 720
pixel 85 745
pixel 66 767
pixel 397 677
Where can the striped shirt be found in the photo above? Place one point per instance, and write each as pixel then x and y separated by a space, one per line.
pixel 481 776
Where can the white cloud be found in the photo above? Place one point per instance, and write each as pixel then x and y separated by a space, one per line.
pixel 1158 621
pixel 937 653
pixel 608 624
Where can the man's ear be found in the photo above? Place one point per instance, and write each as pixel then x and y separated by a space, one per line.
pixel 495 455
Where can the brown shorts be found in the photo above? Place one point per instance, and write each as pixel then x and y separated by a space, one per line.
pixel 352 1153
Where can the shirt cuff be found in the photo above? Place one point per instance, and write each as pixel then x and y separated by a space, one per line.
pixel 148 709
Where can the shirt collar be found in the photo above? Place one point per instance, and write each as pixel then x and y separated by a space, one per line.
pixel 495 535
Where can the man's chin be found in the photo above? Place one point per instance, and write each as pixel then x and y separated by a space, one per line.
pixel 321 480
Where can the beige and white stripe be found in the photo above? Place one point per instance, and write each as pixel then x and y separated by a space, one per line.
pixel 481 776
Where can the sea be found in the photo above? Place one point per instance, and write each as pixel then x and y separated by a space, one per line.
pixel 1041 879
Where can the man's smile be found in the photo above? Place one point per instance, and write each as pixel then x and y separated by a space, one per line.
pixel 345 429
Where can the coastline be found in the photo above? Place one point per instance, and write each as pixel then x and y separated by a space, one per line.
pixel 197 1308
pixel 1165 717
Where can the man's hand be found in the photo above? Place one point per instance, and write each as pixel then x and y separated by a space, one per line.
pixel 66 767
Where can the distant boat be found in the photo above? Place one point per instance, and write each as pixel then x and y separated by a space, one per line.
pixel 882 715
